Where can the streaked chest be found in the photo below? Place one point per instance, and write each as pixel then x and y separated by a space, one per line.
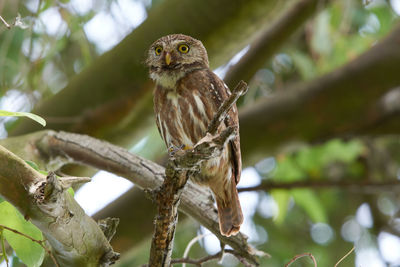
pixel 182 115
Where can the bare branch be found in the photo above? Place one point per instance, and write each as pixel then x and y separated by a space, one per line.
pixel 53 210
pixel 59 148
pixel 240 89
pixel 345 256
pixel 271 40
pixel 5 22
pixel 273 121
pixel 354 185
pixel 17 22
pixel 295 258
pixel 205 259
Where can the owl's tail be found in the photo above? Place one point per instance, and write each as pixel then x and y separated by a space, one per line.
pixel 230 213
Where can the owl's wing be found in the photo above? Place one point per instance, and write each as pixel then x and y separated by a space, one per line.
pixel 231 120
pixel 157 95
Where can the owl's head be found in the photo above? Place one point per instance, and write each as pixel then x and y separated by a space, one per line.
pixel 172 56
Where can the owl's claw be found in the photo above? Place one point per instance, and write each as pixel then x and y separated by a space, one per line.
pixel 172 150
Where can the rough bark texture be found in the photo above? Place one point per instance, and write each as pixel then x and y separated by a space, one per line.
pixel 62 148
pixel 76 239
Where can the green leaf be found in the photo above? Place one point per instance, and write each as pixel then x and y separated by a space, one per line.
pixel 29 252
pixel 34 117
pixel 281 198
pixel 307 199
pixel 1 199
pixel 32 164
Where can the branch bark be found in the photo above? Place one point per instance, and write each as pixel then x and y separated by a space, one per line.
pixel 177 173
pixel 115 92
pixel 45 201
pixel 271 40
pixel 363 186
pixel 59 148
pixel 309 111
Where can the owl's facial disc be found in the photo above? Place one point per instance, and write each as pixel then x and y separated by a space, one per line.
pixel 171 57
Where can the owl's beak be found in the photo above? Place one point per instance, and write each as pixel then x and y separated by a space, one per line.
pixel 168 58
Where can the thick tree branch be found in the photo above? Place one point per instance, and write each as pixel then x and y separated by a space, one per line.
pixel 271 40
pixel 115 102
pixel 58 148
pixel 363 186
pixel 53 210
pixel 309 111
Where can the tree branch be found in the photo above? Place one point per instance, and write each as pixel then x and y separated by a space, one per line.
pixel 205 259
pixel 177 173
pixel 271 40
pixel 8 26
pixel 295 258
pixel 125 113
pixel 54 149
pixel 309 111
pixel 364 186
pixel 239 90
pixel 50 207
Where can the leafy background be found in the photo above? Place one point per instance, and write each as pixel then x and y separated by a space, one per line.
pixel 57 40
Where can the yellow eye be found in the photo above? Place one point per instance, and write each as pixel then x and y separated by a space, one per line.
pixel 158 50
pixel 183 48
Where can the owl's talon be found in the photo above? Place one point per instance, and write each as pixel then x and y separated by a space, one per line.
pixel 186 147
pixel 172 150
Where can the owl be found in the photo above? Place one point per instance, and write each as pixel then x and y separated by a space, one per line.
pixel 186 97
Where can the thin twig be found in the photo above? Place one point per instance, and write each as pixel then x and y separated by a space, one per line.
pixel 5 22
pixel 197 262
pixel 343 184
pixel 295 258
pixel 205 259
pixel 239 90
pixel 40 242
pixel 345 256
pixel 191 243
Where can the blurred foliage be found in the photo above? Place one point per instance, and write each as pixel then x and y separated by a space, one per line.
pixel 32 254
pixel 38 119
pixel 37 62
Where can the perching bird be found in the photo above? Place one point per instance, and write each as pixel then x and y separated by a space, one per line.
pixel 187 96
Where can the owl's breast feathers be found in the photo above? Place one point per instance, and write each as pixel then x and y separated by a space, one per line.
pixel 184 112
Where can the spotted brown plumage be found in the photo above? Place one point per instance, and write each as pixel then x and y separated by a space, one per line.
pixel 186 97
